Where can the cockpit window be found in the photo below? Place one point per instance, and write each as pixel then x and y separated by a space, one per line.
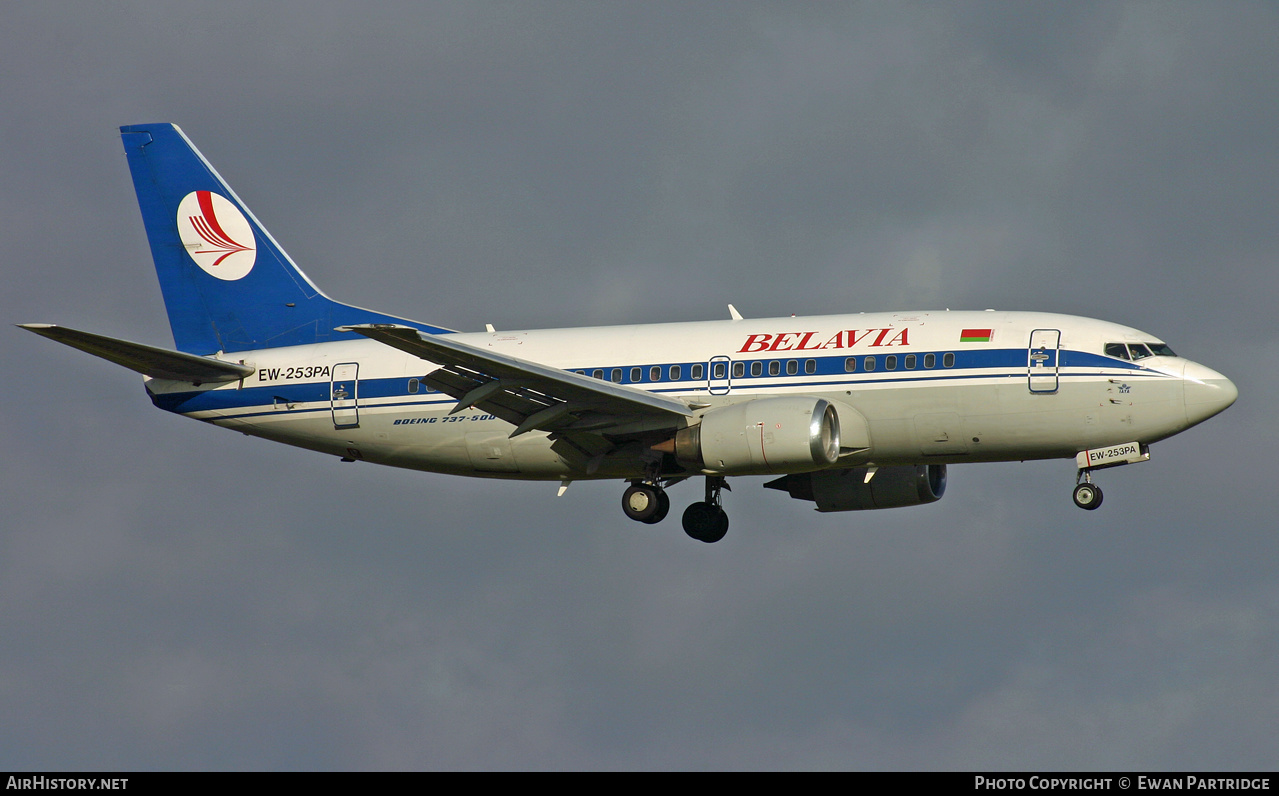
pixel 1136 351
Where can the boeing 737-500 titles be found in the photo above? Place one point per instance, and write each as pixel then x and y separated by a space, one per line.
pixel 859 411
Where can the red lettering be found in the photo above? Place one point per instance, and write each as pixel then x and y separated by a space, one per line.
pixel 756 342
pixel 778 344
pixel 853 339
pixel 803 341
pixel 802 345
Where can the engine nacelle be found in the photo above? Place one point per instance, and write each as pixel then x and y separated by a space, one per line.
pixel 848 490
pixel 768 435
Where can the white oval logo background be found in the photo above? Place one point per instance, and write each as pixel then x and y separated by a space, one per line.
pixel 216 235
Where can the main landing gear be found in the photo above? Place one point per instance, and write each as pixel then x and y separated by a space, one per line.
pixel 707 521
pixel 647 502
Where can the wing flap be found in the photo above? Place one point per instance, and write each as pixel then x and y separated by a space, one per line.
pixel 511 407
pixel 529 395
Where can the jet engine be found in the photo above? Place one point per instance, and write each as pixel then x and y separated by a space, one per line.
pixel 848 489
pixel 768 435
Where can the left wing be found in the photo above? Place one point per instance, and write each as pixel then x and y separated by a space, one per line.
pixel 527 394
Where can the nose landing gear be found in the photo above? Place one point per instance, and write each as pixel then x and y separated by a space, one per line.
pixel 1087 495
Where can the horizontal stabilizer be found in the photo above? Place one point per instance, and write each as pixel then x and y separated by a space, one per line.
pixel 158 363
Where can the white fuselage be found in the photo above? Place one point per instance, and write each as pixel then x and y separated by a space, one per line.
pixel 910 388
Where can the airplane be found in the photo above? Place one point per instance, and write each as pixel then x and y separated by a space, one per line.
pixel 850 412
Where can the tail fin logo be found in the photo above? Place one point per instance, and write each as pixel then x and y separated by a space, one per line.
pixel 216 235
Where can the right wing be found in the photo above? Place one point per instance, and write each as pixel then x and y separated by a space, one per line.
pixel 529 395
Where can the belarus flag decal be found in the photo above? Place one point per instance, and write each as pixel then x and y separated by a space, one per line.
pixel 975 335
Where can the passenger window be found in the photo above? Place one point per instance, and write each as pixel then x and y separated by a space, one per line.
pixel 890 362
pixel 719 371
pixel 757 368
pixel 910 362
pixel 850 365
pixel 930 360
pixel 637 374
pixel 413 386
pixel 675 372
pixel 948 360
pixel 617 375
pixel 1117 350
pixel 599 374
pixel 739 370
pixel 792 367
pixel 655 373
pixel 1138 351
pixel 868 364
pixel 774 368
pixel 696 374
pixel 810 366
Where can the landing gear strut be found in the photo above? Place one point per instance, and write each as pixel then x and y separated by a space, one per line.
pixel 1087 494
pixel 707 522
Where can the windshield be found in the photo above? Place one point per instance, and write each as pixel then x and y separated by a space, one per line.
pixel 1117 350
pixel 1135 351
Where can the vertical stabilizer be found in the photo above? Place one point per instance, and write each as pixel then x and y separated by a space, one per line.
pixel 228 286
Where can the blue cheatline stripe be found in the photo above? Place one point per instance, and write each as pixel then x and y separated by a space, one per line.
pixel 834 365
pixel 829 374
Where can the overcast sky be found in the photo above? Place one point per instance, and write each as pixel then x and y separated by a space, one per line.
pixel 174 595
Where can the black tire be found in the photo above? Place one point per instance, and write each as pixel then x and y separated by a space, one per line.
pixel 705 522
pixel 641 502
pixel 720 529
pixel 663 508
pixel 1088 496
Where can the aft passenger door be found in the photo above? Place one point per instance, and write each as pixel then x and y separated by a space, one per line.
pixel 1042 360
pixel 344 396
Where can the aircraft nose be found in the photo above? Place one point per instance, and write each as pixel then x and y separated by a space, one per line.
pixel 1206 392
